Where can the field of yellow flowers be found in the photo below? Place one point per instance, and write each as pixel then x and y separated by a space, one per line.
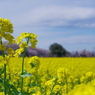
pixel 51 76
pixel 41 76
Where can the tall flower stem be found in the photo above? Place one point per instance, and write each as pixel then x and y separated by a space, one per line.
pixel 4 72
pixel 5 78
pixel 22 71
pixel 23 57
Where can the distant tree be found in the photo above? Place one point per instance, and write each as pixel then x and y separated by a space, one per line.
pixel 57 50
pixel 85 53
pixel 76 54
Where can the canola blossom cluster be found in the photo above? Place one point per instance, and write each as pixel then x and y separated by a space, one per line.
pixel 6 29
pixel 30 39
pixel 83 89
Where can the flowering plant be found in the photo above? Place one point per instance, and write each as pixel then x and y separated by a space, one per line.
pixel 6 30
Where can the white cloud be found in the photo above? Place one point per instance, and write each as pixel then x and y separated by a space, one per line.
pixel 23 13
pixel 81 39
pixel 91 25
pixel 54 14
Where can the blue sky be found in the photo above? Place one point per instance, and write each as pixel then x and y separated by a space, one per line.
pixel 70 23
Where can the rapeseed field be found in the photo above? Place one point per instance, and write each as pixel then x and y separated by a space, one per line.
pixel 53 76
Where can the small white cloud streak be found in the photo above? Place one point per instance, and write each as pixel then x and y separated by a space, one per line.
pixel 82 39
pixel 91 25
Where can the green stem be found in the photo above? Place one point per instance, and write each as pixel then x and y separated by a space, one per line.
pixel 4 72
pixel 23 67
pixel 5 78
pixel 22 71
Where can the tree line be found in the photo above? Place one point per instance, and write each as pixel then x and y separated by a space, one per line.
pixel 55 50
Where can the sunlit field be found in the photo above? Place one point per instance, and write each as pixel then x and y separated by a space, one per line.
pixel 75 66
pixel 53 76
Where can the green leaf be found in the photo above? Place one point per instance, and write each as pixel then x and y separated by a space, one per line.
pixel 33 64
pixel 1 80
pixel 25 74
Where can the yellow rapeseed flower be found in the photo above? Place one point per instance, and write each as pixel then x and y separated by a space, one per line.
pixel 1 58
pixel 2 47
pixel 18 52
pixel 30 37
pixel 34 61
pixel 10 51
pixel 1 93
pixel 6 26
pixel 83 89
pixel 57 88
pixel 9 37
pixel 23 45
pixel 6 59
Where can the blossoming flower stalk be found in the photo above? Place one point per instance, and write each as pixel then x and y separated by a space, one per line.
pixel 6 28
pixel 30 38
pixel 23 57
